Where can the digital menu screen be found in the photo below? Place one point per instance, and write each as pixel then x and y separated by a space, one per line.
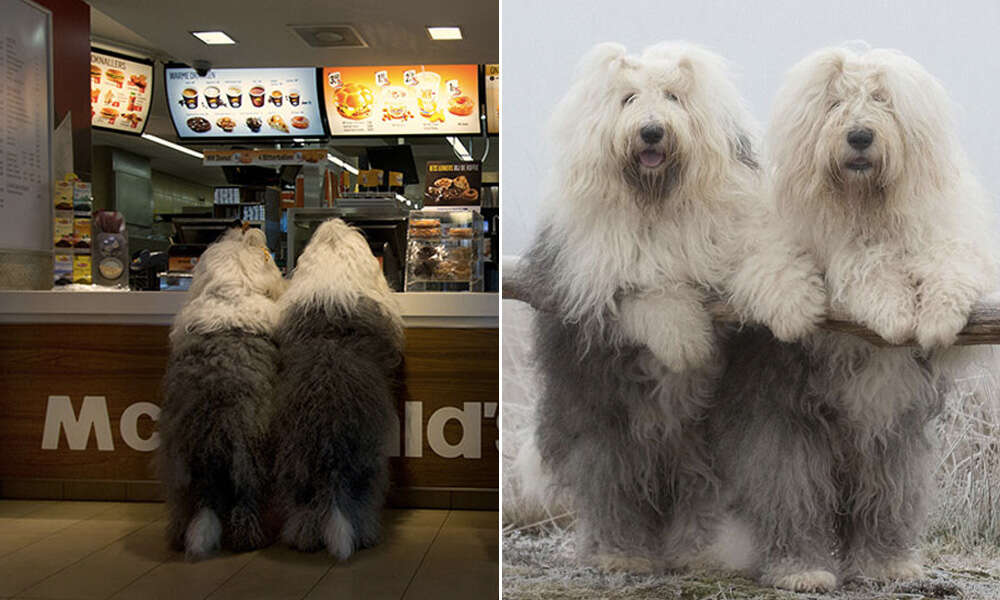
pixel 492 76
pixel 244 103
pixel 121 91
pixel 402 100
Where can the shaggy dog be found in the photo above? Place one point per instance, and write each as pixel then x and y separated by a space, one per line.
pixel 219 397
pixel 825 447
pixel 655 209
pixel 341 340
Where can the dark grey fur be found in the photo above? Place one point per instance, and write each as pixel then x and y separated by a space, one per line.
pixel 819 489
pixel 217 408
pixel 336 394
pixel 619 433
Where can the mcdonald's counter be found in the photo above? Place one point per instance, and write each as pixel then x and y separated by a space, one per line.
pixel 80 374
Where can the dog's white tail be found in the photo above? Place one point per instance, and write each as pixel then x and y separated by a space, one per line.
pixel 203 535
pixel 339 535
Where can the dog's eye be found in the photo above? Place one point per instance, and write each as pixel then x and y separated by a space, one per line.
pixel 878 96
pixel 670 95
pixel 629 99
pixel 834 104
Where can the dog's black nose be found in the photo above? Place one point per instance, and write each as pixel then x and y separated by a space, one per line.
pixel 859 139
pixel 651 133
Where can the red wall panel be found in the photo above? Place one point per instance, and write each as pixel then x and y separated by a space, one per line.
pixel 71 73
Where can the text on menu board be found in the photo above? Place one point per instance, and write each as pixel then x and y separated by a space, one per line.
pixel 402 100
pixel 234 103
pixel 120 92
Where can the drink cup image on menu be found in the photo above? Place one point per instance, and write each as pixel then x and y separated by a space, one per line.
pixel 213 97
pixel 293 97
pixel 276 97
pixel 235 96
pixel 257 96
pixel 428 86
pixel 190 99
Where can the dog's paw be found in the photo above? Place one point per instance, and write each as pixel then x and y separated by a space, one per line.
pixel 900 569
pixel 622 563
pixel 896 327
pixel 684 353
pixel 938 327
pixel 801 312
pixel 816 580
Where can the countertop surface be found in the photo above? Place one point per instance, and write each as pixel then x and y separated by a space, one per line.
pixel 419 309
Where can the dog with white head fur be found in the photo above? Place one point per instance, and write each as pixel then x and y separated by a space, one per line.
pixel 655 208
pixel 828 452
pixel 219 399
pixel 341 340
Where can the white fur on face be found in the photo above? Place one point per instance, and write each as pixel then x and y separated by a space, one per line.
pixel 336 270
pixel 236 284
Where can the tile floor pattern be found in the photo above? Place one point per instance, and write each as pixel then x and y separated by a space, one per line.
pixel 98 550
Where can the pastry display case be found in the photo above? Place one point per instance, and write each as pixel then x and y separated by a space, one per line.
pixel 444 251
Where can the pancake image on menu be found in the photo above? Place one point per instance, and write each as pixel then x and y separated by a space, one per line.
pixel 276 122
pixel 354 101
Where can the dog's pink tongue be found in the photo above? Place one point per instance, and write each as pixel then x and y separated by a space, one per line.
pixel 651 158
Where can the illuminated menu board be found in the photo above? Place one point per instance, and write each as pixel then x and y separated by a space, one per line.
pixel 121 91
pixel 402 100
pixel 244 103
pixel 492 76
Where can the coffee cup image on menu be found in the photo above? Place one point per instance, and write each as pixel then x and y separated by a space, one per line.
pixel 213 97
pixel 293 97
pixel 276 97
pixel 257 96
pixel 189 98
pixel 235 96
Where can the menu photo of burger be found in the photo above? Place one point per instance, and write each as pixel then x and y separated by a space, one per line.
pixel 354 101
pixel 115 77
pixel 95 74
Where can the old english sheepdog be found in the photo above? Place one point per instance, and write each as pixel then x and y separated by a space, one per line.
pixel 341 340
pixel 219 399
pixel 825 448
pixel 656 207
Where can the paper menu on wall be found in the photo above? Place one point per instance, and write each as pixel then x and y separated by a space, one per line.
pixel 121 92
pixel 25 126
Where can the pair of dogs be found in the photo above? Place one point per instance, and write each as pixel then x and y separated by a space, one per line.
pixel 797 455
pixel 278 397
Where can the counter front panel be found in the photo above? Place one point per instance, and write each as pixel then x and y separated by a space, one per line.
pixel 79 403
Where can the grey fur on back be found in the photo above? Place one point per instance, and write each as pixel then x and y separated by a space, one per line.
pixel 214 426
pixel 620 434
pixel 820 485
pixel 336 391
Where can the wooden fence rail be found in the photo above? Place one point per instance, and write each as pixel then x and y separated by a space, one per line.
pixel 983 327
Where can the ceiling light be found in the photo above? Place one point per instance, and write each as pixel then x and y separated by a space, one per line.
pixel 213 38
pixel 172 145
pixel 445 33
pixel 341 164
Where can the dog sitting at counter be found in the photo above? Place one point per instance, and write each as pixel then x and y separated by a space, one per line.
pixel 219 397
pixel 341 340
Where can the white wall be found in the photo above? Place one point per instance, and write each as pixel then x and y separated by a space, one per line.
pixel 957 41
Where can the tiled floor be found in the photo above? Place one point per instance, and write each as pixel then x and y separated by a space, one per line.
pixel 97 550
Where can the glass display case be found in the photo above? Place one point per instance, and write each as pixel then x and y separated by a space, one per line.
pixel 444 251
